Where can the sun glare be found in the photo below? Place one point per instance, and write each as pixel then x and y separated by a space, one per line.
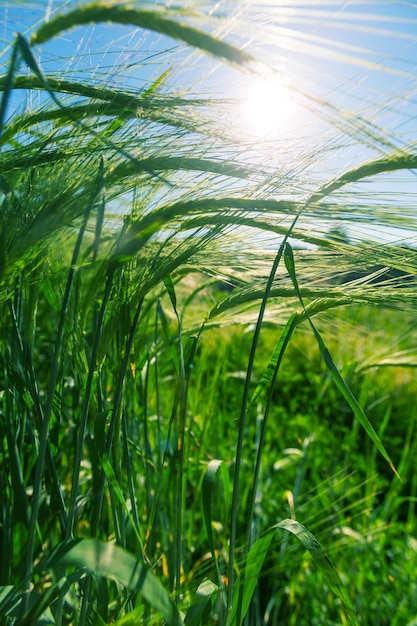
pixel 266 109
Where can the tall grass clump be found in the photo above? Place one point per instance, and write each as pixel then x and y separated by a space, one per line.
pixel 208 324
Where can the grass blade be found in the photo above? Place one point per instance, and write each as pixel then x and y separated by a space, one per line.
pixel 276 357
pixel 245 588
pixel 8 86
pixel 112 561
pixel 337 377
pixel 323 562
pixel 100 210
pixel 204 596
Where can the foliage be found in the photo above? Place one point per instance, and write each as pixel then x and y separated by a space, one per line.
pixel 199 356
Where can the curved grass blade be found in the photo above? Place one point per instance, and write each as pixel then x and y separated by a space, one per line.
pixel 337 377
pixel 112 561
pixel 194 208
pixel 205 594
pixel 323 562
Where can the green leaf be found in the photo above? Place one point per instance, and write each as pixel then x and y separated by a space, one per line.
pixel 27 55
pixel 100 209
pixel 351 400
pixel 337 377
pixel 5 591
pixel 254 562
pixel 156 83
pixel 205 594
pixel 112 561
pixel 169 284
pixel 9 597
pixel 277 356
pixel 46 619
pixel 8 86
pixel 323 562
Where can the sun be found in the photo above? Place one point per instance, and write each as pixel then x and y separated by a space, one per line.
pixel 266 109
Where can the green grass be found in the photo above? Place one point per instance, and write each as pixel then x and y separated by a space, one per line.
pixel 207 398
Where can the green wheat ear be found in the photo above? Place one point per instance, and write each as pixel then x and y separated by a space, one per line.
pixel 158 20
